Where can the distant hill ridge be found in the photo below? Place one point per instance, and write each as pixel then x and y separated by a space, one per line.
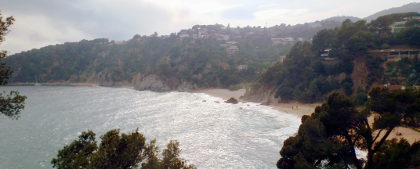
pixel 411 7
pixel 199 57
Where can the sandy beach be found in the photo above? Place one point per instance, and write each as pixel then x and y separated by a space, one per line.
pixel 294 108
pixel 409 134
pixel 300 109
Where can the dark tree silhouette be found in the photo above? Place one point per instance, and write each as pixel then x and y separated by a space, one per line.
pixel 329 137
pixel 11 103
pixel 118 151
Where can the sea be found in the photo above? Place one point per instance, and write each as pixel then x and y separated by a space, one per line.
pixel 212 134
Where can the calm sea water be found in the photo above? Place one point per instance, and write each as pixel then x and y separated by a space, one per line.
pixel 212 134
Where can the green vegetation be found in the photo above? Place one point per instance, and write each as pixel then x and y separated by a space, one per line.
pixel 405 71
pixel 202 62
pixel 118 152
pixel 203 56
pixel 329 137
pixel 11 103
pixel 340 60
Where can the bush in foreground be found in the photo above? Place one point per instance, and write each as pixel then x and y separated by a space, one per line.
pixel 118 151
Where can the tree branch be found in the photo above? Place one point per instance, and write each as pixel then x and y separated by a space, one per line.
pixel 377 146
pixel 367 124
pixel 377 135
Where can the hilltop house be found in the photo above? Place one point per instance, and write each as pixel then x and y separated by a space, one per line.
pixel 231 47
pixel 184 34
pixel 398 26
pixel 325 54
pixel 395 87
pixel 222 37
pixel 401 25
pixel 242 67
pixel 282 41
pixel 388 86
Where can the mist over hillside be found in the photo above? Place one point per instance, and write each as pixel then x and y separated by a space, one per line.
pixel 204 56
pixel 411 7
pixel 200 57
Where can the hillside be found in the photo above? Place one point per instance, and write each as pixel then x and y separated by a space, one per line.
pixel 201 57
pixel 411 7
pixel 350 59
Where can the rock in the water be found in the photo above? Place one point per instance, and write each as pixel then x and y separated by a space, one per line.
pixel 232 100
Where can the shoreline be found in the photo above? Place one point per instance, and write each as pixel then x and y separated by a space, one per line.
pixel 69 85
pixel 294 108
pixel 55 84
pixel 301 109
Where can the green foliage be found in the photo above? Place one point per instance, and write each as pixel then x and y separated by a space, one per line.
pixel 347 84
pixel 324 39
pixel 118 151
pixel 311 71
pixel 396 154
pixel 404 71
pixel 328 138
pixel 199 61
pixel 409 35
pixel 386 20
pixel 78 154
pixel 11 104
pixel 171 156
pixel 376 71
pixel 202 62
pixel 305 75
pixel 394 106
pixel 361 98
pixel 319 137
pixel 360 42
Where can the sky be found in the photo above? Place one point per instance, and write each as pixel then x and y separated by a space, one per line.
pixel 47 22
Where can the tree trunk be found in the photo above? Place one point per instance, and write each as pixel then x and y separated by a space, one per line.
pixel 374 147
pixel 369 162
pixel 353 152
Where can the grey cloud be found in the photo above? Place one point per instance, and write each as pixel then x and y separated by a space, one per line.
pixel 68 20
pixel 241 12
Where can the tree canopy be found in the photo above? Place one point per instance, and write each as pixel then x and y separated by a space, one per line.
pixel 11 103
pixel 340 60
pixel 329 137
pixel 118 151
pixel 202 56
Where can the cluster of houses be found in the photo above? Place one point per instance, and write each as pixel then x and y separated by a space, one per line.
pixel 401 25
pixel 205 31
pixel 231 36
pixel 284 40
pixel 396 54
pixel 391 55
